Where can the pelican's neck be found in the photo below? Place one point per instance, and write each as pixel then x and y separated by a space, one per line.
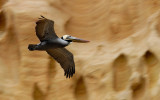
pixel 64 42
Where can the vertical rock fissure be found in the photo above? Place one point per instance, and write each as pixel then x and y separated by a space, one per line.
pixel 121 73
pixel 153 67
pixel 37 93
pixel 2 23
pixel 80 90
pixel 139 90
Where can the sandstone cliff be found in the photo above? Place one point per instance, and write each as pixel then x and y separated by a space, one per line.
pixel 120 63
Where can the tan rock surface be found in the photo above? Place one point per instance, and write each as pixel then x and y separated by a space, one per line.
pixel 120 63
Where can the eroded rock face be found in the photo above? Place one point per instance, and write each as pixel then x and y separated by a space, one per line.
pixel 120 63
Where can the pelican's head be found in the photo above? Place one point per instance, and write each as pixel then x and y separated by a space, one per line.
pixel 73 39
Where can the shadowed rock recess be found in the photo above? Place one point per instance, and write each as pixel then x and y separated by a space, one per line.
pixel 122 61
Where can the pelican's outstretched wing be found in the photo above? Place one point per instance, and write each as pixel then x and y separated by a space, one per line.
pixel 65 58
pixel 45 29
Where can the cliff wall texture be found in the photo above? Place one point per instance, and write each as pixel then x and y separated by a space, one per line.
pixel 122 61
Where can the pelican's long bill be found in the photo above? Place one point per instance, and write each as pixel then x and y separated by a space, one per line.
pixel 74 39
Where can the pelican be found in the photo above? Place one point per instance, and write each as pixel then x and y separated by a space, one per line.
pixel 54 45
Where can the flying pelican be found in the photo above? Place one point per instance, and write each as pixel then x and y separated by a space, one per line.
pixel 54 45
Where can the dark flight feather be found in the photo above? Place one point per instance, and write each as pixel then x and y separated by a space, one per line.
pixel 45 29
pixel 65 58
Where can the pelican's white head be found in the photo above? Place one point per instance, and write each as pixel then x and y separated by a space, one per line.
pixel 65 37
